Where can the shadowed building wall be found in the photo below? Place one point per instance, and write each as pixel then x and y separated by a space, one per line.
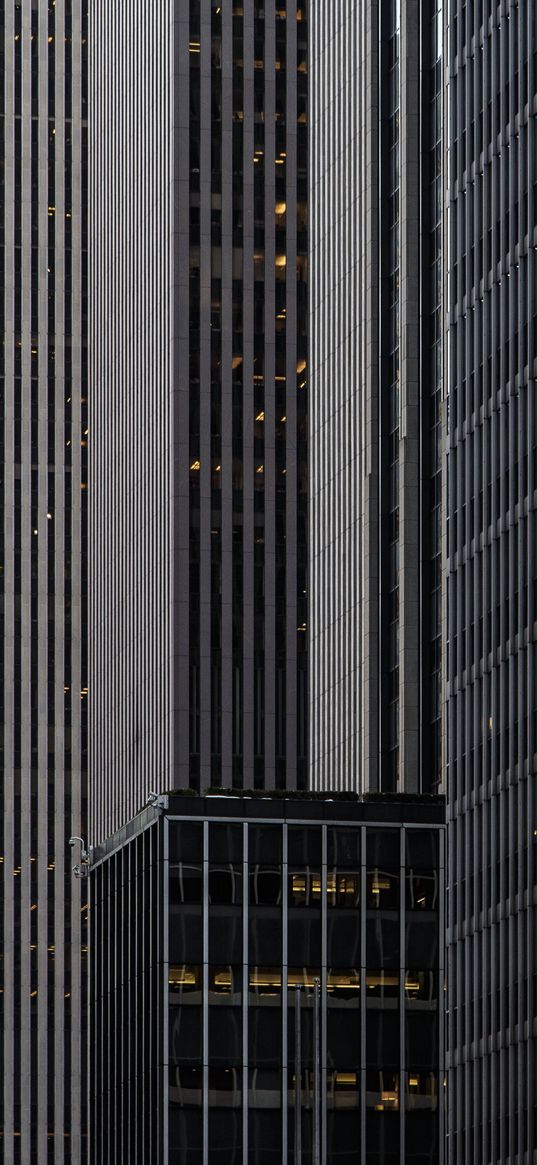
pixel 198 286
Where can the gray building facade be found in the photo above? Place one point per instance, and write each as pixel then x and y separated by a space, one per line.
pixel 376 377
pixel 43 668
pixel 492 581
pixel 198 402
pixel 208 916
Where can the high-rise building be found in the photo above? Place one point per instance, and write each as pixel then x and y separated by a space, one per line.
pixel 492 581
pixel 198 400
pixel 43 685
pixel 208 915
pixel 376 383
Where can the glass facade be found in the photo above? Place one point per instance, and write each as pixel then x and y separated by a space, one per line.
pixel 247 343
pixel 492 579
pixel 43 499
pixel 248 913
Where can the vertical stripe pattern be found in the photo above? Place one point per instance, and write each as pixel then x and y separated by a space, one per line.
pixel 492 587
pixel 131 400
pixel 44 433
pixel 375 445
pixel 199 389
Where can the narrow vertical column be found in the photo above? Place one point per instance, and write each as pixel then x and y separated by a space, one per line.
pixel 402 961
pixel 409 445
pixel 284 1003
pixel 245 902
pixel 316 1071
pixel 165 985
pixel 290 424
pixel 298 1080
pixel 30 563
pixel 441 997
pixel 248 413
pixel 366 180
pixel 324 990
pixel 268 475
pixel 9 803
pixel 180 377
pixel 205 996
pixel 206 274
pixel 226 410
pixel 363 986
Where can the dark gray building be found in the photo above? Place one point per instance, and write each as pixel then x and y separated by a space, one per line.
pixel 198 457
pixel 492 665
pixel 207 915
pixel 376 379
pixel 43 666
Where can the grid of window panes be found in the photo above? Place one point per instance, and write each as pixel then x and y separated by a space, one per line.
pixel 492 579
pixel 247 393
pixel 390 381
pixel 259 910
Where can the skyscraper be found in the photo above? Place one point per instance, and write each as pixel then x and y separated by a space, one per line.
pixel 492 666
pixel 43 429
pixel 376 382
pixel 198 528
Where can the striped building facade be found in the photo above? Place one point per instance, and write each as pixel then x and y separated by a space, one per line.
pixel 43 432
pixel 492 581
pixel 198 285
pixel 375 412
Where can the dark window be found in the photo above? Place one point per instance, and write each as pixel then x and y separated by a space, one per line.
pixel 225 884
pixel 265 885
pixel 343 848
pixel 421 890
pixel 383 849
pixel 382 889
pixel 225 1035
pixel 186 884
pixel 186 841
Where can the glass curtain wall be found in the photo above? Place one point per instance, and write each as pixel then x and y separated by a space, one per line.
pixel 257 911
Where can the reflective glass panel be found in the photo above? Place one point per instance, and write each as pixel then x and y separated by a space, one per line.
pixel 342 1089
pixel 265 885
pixel 421 989
pixel 382 985
pixel 225 885
pixel 186 884
pixel 343 848
pixel 421 890
pixel 185 980
pixel 382 890
pixel 265 982
pixel 421 1090
pixel 343 984
pixel 382 1090
pixel 304 888
pixel 343 889
pixel 225 983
